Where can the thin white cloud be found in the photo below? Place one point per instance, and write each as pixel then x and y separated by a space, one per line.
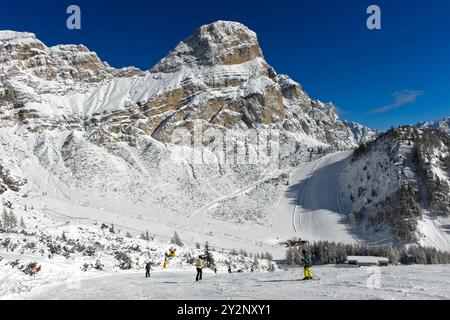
pixel 401 98
pixel 341 111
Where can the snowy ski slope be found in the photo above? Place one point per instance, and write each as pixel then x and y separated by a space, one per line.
pixel 310 208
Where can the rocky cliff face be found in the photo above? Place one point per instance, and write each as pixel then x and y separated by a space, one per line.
pixel 217 76
pixel 29 68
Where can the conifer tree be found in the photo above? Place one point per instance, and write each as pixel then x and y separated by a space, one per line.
pixel 207 256
pixel 176 240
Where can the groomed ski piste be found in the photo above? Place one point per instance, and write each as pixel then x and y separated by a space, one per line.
pixel 396 282
pixel 309 208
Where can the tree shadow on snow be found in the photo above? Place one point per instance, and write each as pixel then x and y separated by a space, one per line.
pixel 328 176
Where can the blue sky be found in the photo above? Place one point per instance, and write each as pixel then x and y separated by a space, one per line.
pixel 381 78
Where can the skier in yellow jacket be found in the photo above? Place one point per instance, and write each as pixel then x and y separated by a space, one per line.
pixel 307 263
pixel 199 266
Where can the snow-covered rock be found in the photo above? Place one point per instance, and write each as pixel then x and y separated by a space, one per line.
pixel 362 133
pixel 443 124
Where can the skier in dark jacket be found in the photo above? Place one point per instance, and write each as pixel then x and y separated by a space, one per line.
pixel 307 263
pixel 148 267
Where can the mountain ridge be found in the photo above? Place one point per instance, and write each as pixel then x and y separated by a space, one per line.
pixel 236 76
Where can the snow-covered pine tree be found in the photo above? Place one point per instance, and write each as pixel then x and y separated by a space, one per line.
pixel 10 221
pixel 268 256
pixel 145 236
pixel 176 240
pixel 207 256
pixel 290 256
pixel 22 223
pixel 5 220
pixel 255 263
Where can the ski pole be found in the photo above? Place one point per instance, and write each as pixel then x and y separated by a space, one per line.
pixel 314 275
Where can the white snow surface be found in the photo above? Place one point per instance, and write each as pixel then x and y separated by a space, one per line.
pixel 396 283
pixel 312 203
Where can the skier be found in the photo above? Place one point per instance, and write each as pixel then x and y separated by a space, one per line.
pixel 229 270
pixel 172 253
pixel 307 263
pixel 252 270
pixel 148 267
pixel 215 269
pixel 199 266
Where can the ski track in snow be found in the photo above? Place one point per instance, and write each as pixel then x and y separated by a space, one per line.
pixel 310 206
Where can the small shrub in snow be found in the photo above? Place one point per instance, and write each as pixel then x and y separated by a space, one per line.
pixel 30 245
pixel 28 269
pixel 124 260
pixel 98 265
pixel 104 226
pixel 54 248
pixel 89 251
pixel 146 236
pixel 14 263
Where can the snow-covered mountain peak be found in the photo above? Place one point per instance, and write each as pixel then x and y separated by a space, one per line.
pixel 15 36
pixel 218 43
pixel 362 133
pixel 217 75
pixel 443 124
